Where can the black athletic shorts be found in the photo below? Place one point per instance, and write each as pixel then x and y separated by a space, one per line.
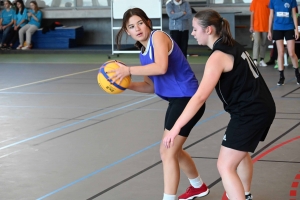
pixel 176 107
pixel 244 139
pixel 287 34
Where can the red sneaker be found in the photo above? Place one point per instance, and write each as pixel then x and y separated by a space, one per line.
pixel 192 192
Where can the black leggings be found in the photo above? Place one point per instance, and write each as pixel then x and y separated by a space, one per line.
pixel 13 36
pixel 181 38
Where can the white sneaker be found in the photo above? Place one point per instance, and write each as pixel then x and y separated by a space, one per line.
pixel 26 48
pixel 262 63
pixel 255 62
pixel 19 47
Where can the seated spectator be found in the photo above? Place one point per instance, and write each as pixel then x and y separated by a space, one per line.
pixel 35 18
pixel 20 20
pixel 6 22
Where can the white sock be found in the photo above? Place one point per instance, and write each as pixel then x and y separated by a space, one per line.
pixel 247 193
pixel 169 197
pixel 196 182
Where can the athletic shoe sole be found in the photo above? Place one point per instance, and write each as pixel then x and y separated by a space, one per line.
pixel 203 194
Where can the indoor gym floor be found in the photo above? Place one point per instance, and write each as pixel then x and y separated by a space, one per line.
pixel 63 138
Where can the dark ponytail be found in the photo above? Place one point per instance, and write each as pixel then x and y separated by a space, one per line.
pixel 129 13
pixel 226 33
pixel 210 17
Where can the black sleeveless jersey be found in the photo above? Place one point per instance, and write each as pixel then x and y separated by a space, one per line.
pixel 243 91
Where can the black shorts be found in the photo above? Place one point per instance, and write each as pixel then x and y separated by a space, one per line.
pixel 176 107
pixel 243 139
pixel 287 34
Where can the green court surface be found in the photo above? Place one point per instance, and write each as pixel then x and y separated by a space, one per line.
pixel 92 58
pixel 84 57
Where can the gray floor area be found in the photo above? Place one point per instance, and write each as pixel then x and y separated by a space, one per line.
pixel 63 138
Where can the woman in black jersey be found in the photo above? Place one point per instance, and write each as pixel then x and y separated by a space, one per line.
pixel 245 96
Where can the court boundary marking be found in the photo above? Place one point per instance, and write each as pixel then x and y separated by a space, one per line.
pixel 284 96
pixel 46 80
pixel 75 123
pixel 294 186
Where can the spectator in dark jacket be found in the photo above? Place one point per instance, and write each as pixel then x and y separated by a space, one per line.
pixel 180 14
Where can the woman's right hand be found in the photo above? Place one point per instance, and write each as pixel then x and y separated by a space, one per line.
pixel 251 29
pixel 120 73
pixel 270 36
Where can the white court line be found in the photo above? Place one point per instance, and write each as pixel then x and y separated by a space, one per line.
pixel 50 79
pixel 7 139
pixel 9 154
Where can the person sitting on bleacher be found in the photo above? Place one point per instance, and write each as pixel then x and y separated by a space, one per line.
pixel 35 18
pixel 20 20
pixel 6 22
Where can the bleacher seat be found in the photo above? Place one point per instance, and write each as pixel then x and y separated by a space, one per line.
pixel 59 38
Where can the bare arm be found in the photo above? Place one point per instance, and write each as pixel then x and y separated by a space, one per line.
pixel 21 23
pixel 34 17
pixel 144 87
pixel 162 45
pixel 295 23
pixel 211 76
pixel 11 23
pixel 270 24
pixel 251 22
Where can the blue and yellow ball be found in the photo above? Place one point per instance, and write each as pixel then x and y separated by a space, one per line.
pixel 104 78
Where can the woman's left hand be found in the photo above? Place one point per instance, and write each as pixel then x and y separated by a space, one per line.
pixel 296 34
pixel 269 36
pixel 120 73
pixel 168 140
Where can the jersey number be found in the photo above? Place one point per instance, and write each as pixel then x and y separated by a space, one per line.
pixel 251 64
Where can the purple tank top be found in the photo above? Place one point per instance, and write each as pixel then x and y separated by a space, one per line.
pixel 179 80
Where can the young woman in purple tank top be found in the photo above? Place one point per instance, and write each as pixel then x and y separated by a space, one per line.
pixel 155 68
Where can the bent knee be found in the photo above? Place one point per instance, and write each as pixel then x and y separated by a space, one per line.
pixel 225 167
pixel 292 55
pixel 166 154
